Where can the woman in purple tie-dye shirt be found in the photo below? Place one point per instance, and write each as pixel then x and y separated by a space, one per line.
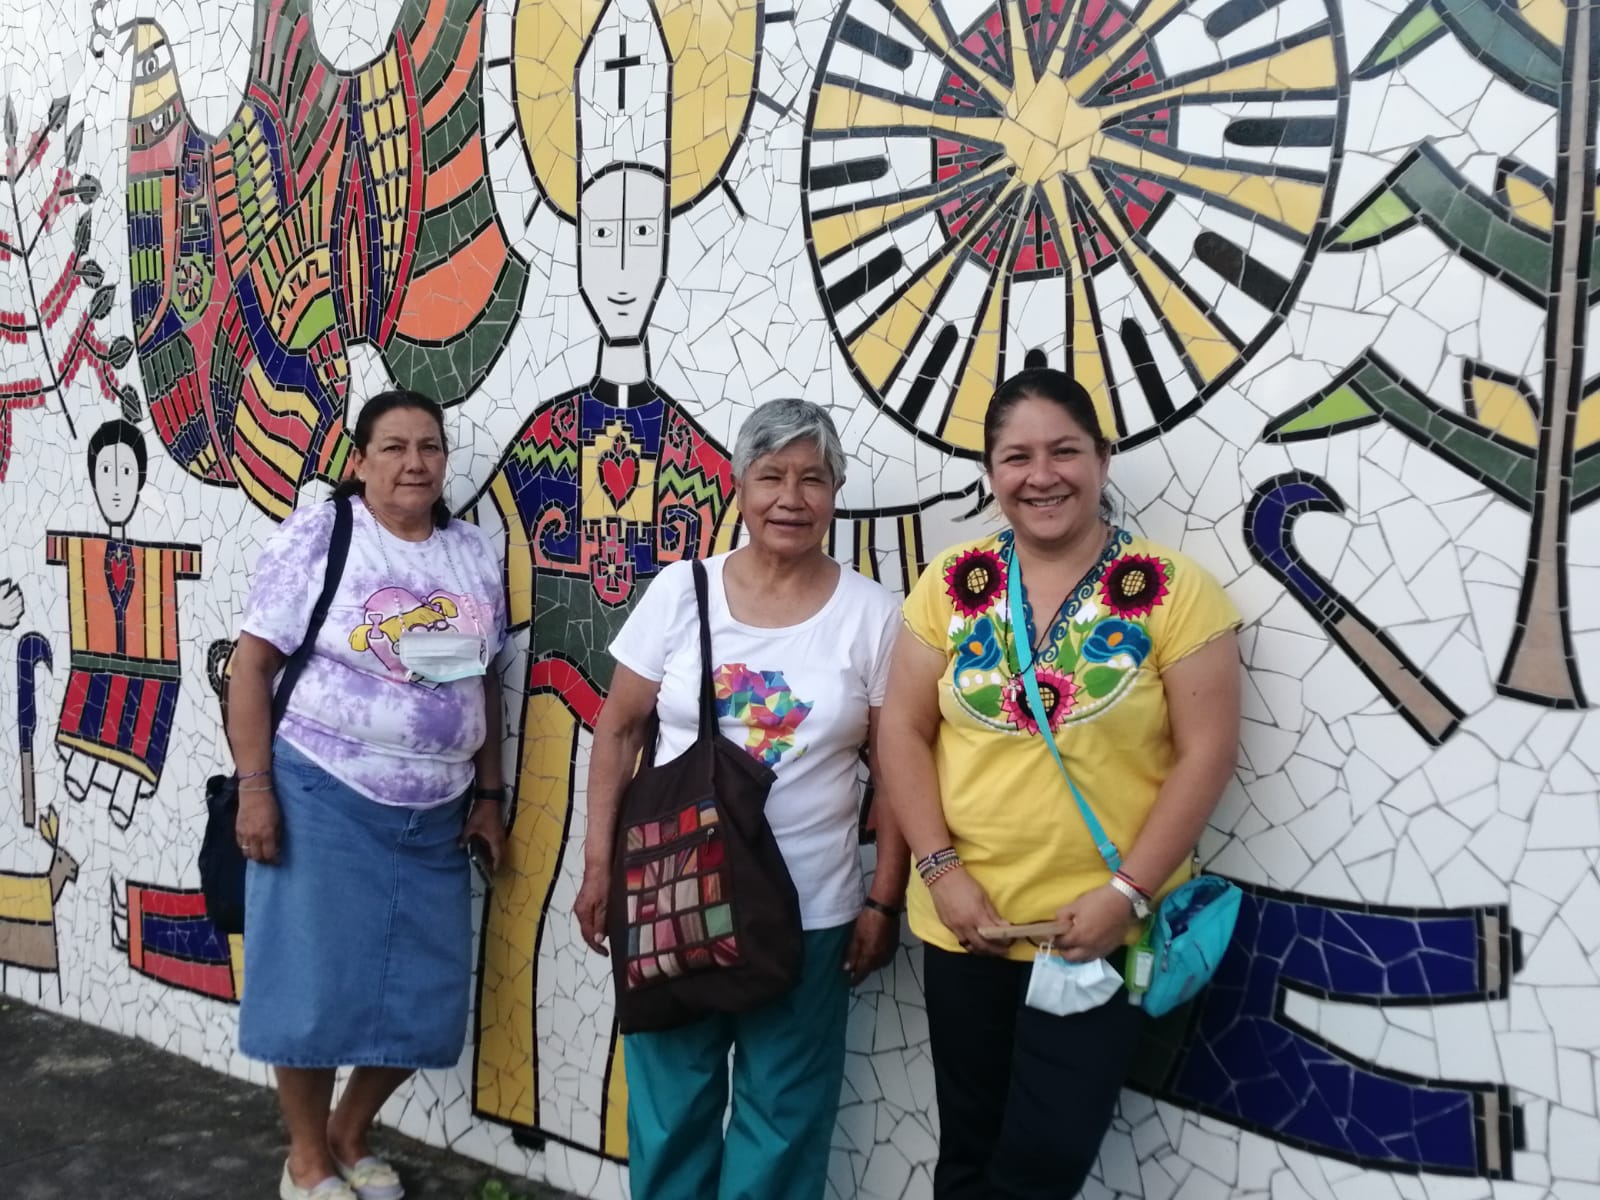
pixel 353 817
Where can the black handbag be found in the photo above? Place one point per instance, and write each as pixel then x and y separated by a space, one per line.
pixel 222 865
pixel 702 915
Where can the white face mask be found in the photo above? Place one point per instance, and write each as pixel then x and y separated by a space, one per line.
pixel 442 655
pixel 1062 988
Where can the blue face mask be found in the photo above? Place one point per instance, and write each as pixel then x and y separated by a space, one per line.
pixel 1062 988
pixel 443 655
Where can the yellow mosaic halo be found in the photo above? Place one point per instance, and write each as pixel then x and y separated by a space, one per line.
pixel 715 48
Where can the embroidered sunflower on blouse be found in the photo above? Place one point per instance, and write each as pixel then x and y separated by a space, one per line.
pixel 973 581
pixel 1134 585
pixel 1058 692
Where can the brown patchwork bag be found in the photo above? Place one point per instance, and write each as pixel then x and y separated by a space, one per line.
pixel 702 917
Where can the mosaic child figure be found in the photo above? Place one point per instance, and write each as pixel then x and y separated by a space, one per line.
pixel 602 488
pixel 122 596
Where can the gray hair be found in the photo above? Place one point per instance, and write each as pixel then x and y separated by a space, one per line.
pixel 777 424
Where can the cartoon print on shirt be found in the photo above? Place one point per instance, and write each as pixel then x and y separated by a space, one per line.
pixel 764 701
pixel 394 611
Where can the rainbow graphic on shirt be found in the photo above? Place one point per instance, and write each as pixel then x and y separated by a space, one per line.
pixel 763 701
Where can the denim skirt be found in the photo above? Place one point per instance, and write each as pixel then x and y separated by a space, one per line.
pixel 358 941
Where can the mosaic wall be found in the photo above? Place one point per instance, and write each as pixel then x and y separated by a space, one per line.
pixel 1328 267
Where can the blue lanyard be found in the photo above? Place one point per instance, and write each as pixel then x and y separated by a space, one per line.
pixel 1030 684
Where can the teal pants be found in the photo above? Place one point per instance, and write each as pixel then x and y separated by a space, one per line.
pixel 788 1064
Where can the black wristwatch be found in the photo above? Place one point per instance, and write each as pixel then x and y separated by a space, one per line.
pixel 496 794
pixel 887 910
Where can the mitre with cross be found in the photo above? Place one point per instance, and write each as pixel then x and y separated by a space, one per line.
pixel 624 88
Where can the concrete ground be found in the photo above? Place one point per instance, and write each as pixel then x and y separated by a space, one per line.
pixel 89 1115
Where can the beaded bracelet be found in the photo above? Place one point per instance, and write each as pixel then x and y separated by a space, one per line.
pixel 932 862
pixel 939 872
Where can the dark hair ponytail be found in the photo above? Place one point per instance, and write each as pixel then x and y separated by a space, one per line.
pixel 361 435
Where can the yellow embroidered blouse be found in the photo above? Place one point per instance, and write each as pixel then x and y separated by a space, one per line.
pixel 1011 818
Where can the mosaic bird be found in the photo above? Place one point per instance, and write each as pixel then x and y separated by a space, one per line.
pixel 337 207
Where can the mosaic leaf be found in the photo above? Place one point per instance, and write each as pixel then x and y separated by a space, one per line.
pixel 1586 481
pixel 1495 33
pixel 1416 28
pixel 1502 403
pixel 1548 17
pixel 1378 217
pixel 1587 432
pixel 1332 411
pixel 1373 387
pixel 1586 438
pixel 1481 228
pixel 1529 194
pixel 74 145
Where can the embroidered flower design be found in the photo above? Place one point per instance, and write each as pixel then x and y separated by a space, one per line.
pixel 1134 585
pixel 974 580
pixel 1057 691
pixel 979 650
pixel 1111 638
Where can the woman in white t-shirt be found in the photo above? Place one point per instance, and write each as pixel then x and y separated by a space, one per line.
pixel 800 650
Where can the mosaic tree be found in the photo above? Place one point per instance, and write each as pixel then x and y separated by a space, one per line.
pixel 336 208
pixel 1538 451
pixel 55 294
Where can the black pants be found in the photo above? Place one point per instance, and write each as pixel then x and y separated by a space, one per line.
pixel 1024 1097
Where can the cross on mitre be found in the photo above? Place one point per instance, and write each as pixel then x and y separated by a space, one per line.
pixel 624 86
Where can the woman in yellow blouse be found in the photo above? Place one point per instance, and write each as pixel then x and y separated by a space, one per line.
pixel 1137 665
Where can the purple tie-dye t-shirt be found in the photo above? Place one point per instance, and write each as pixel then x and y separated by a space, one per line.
pixel 353 713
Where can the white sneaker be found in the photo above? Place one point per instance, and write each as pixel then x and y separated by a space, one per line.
pixel 331 1188
pixel 372 1179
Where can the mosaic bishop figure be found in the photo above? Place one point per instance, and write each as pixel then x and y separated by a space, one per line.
pixel 601 489
pixel 606 485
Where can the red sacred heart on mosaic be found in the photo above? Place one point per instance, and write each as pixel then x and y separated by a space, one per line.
pixel 619 470
pixel 117 566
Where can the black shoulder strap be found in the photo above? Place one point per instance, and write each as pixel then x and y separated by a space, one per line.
pixel 338 551
pixel 708 697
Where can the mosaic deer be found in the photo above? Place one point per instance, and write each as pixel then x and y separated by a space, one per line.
pixel 28 906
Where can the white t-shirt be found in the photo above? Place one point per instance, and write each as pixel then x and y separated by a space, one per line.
pixel 795 698
pixel 353 712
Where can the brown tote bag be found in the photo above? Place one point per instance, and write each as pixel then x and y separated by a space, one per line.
pixel 702 917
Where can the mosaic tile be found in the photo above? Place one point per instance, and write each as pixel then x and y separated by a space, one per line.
pixel 1328 269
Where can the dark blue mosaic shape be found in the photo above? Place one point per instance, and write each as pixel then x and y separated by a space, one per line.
pixel 193 939
pixel 1244 1061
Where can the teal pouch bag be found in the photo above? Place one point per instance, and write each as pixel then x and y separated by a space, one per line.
pixel 1192 927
